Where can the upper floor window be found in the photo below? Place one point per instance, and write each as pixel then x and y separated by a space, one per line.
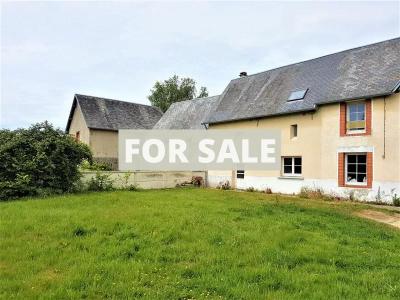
pixel 355 119
pixel 297 95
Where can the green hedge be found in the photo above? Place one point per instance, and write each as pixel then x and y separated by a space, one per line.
pixel 38 161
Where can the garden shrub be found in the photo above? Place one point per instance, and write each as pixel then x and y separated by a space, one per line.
pixel 198 181
pixel 125 185
pixel 224 185
pixel 396 200
pixel 101 182
pixel 38 161
pixel 268 190
pixel 250 189
pixel 95 166
pixel 311 193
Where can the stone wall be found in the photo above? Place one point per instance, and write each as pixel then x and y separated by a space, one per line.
pixel 147 179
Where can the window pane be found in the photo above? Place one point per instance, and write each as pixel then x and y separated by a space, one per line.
pixel 287 161
pixel 297 161
pixel 351 158
pixel 351 177
pixel 297 169
pixel 352 108
pixel 353 117
pixel 361 168
pixel 361 159
pixel 287 169
pixel 361 178
pixel 351 168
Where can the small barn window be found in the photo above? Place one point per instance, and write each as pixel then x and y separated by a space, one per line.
pixel 297 95
pixel 240 174
pixel 293 131
pixel 78 136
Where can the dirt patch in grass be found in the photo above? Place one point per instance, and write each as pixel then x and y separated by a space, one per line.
pixel 393 220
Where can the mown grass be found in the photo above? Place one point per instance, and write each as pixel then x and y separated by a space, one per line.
pixel 193 243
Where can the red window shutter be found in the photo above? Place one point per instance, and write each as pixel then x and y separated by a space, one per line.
pixel 343 119
pixel 369 169
pixel 368 118
pixel 341 169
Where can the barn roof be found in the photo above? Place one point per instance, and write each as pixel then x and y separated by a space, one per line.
pixel 109 114
pixel 189 114
pixel 363 72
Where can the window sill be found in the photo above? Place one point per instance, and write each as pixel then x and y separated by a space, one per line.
pixel 357 186
pixel 291 177
pixel 362 133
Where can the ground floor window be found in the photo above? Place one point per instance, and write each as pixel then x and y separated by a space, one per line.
pixel 292 166
pixel 356 168
pixel 240 174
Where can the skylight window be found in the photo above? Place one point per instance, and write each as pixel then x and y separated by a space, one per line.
pixel 297 95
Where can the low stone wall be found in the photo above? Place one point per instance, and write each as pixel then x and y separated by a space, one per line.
pixel 147 179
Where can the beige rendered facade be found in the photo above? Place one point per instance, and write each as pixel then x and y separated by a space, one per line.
pixel 103 143
pixel 319 144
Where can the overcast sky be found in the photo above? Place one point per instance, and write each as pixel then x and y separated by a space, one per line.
pixel 50 51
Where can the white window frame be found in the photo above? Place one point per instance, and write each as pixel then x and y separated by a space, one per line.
pixel 241 172
pixel 346 165
pixel 356 131
pixel 292 174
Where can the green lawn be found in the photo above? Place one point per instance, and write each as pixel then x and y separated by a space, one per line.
pixel 194 243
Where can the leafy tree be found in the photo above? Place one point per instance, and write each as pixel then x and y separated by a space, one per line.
pixel 203 92
pixel 174 89
pixel 39 160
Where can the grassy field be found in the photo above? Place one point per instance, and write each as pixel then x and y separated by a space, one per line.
pixel 194 243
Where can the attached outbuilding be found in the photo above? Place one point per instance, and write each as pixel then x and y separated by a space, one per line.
pixel 189 114
pixel 95 121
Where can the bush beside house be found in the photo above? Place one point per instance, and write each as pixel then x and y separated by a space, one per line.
pixel 38 161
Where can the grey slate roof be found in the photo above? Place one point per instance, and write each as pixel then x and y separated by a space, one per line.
pixel 187 114
pixel 372 70
pixel 109 114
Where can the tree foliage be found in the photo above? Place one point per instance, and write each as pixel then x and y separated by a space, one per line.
pixel 174 89
pixel 39 160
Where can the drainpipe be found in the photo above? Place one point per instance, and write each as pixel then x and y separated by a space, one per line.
pixel 384 128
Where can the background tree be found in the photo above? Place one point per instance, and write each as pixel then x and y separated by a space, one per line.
pixel 174 89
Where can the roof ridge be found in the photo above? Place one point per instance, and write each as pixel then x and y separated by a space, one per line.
pixel 315 58
pixel 116 100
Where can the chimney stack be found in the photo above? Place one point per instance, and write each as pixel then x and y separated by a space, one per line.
pixel 243 74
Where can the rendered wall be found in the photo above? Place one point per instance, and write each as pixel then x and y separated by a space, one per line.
pixel 78 124
pixel 318 142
